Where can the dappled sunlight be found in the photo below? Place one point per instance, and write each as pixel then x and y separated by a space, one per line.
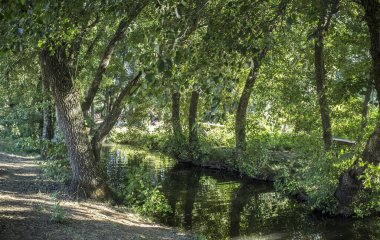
pixel 27 213
pixel 224 118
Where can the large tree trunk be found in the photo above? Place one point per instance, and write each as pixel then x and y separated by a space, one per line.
pixel 193 128
pixel 320 78
pixel 84 167
pixel 241 114
pixel 350 183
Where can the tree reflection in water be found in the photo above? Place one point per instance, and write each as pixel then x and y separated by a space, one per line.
pixel 220 205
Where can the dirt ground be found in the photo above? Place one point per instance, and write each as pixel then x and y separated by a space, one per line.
pixel 26 209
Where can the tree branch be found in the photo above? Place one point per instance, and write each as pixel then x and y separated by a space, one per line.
pixel 104 62
pixel 117 107
pixel 325 19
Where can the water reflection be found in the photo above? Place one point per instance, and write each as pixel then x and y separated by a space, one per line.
pixel 222 206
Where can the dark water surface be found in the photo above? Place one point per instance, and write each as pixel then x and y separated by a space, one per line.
pixel 219 205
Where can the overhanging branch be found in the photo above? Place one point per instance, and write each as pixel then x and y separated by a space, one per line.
pixel 117 107
pixel 105 60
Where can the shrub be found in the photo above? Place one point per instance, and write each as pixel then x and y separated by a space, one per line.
pixel 58 214
pixel 56 170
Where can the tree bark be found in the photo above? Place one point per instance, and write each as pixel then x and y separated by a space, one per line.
pixel 47 128
pixel 329 8
pixel 58 135
pixel 67 99
pixel 349 182
pixel 320 78
pixel 241 114
pixel 47 118
pixel 176 117
pixel 193 128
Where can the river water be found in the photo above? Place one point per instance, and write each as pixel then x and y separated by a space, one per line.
pixel 220 205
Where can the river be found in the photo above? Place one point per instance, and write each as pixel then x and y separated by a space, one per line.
pixel 220 205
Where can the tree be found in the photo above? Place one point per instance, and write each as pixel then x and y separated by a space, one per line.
pixel 59 29
pixel 350 182
pixel 193 128
pixel 320 71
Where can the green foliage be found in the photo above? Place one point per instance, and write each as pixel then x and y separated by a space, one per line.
pixel 368 200
pixel 54 150
pixel 199 237
pixel 137 137
pixel 21 146
pixel 28 145
pixel 58 214
pixel 56 166
pixel 184 46
pixel 135 189
pixel 56 169
pixel 313 174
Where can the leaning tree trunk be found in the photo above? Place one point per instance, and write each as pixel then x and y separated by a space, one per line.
pixel 193 128
pixel 320 77
pixel 84 167
pixel 349 182
pixel 241 114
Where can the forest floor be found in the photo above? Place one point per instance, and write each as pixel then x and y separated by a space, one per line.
pixel 27 206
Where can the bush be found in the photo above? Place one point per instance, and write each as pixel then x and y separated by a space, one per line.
pixel 56 170
pixel 58 214
pixel 52 150
pixel 28 145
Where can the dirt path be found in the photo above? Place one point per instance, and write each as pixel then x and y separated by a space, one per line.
pixel 26 207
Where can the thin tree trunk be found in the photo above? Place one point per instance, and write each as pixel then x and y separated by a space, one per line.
pixel 349 182
pixel 320 77
pixel 58 135
pixel 176 117
pixel 241 114
pixel 193 128
pixel 329 8
pixel 84 167
pixel 47 118
pixel 47 128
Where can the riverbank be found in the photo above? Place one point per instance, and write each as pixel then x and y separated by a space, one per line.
pixel 31 208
